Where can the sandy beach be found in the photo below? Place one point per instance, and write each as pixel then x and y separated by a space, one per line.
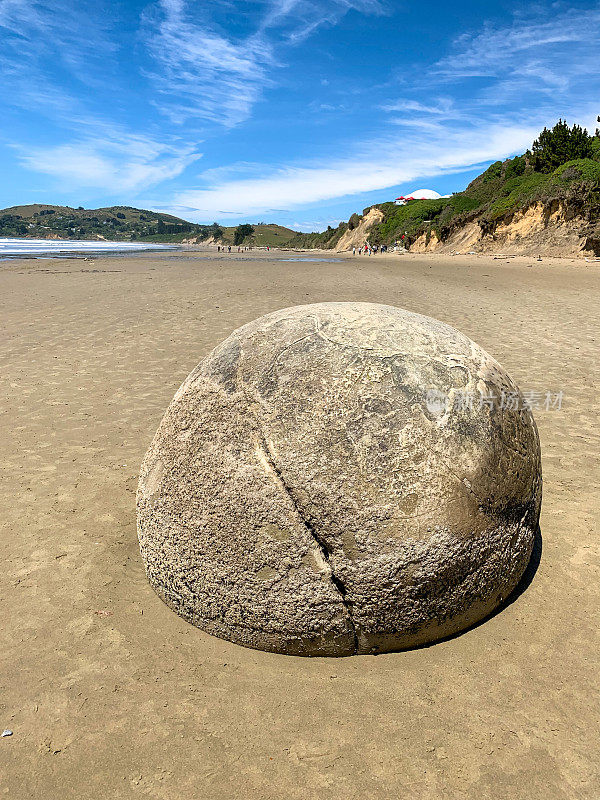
pixel 110 694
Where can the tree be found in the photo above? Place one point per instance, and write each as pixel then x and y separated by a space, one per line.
pixel 216 231
pixel 241 232
pixel 559 145
pixel 596 144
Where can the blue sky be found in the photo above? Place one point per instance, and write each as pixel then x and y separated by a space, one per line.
pixel 291 111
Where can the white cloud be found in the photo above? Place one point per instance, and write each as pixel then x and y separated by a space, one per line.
pixel 546 53
pixel 34 31
pixel 41 42
pixel 210 76
pixel 41 36
pixel 378 165
pixel 310 16
pixel 442 106
pixel 298 19
pixel 216 78
pixel 118 164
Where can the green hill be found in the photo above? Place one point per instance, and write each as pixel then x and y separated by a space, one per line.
pixel 123 223
pixel 502 190
pixel 117 223
pixel 265 235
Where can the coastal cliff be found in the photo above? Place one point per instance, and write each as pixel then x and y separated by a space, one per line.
pixel 556 227
pixel 546 201
pixel 509 209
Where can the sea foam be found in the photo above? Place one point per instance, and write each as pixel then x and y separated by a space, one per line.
pixel 49 247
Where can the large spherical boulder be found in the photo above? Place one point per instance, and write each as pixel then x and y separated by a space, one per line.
pixel 341 478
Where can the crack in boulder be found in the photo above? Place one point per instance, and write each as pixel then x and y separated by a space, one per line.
pixel 324 550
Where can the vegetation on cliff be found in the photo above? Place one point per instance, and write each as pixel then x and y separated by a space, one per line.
pixel 326 239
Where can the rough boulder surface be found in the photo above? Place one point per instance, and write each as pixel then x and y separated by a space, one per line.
pixel 310 492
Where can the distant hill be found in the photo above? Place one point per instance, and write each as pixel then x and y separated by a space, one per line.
pixel 265 235
pixel 117 223
pixel 545 201
pixel 123 223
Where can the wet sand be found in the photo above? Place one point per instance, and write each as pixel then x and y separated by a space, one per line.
pixel 109 694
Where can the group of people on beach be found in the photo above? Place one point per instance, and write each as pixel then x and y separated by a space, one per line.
pixel 368 250
pixel 227 249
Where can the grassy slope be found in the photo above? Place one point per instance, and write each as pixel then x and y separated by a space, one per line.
pixel 269 235
pixel 130 214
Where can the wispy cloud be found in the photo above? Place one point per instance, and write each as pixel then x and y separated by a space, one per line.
pixel 43 42
pixel 301 18
pixel 440 106
pixel 117 163
pixel 544 58
pixel 41 37
pixel 216 77
pixel 211 77
pixel 38 34
pixel 376 165
pixel 548 52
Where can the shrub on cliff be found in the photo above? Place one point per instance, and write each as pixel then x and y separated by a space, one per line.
pixel 353 222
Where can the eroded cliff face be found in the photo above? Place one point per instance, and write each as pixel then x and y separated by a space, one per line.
pixel 557 228
pixel 426 243
pixel 360 234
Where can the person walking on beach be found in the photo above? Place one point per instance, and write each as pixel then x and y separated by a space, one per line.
pixel 354 251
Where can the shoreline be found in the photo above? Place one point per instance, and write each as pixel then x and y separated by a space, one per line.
pixel 198 252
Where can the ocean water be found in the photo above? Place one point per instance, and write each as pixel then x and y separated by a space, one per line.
pixel 50 247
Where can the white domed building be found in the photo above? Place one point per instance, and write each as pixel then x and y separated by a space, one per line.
pixel 419 194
